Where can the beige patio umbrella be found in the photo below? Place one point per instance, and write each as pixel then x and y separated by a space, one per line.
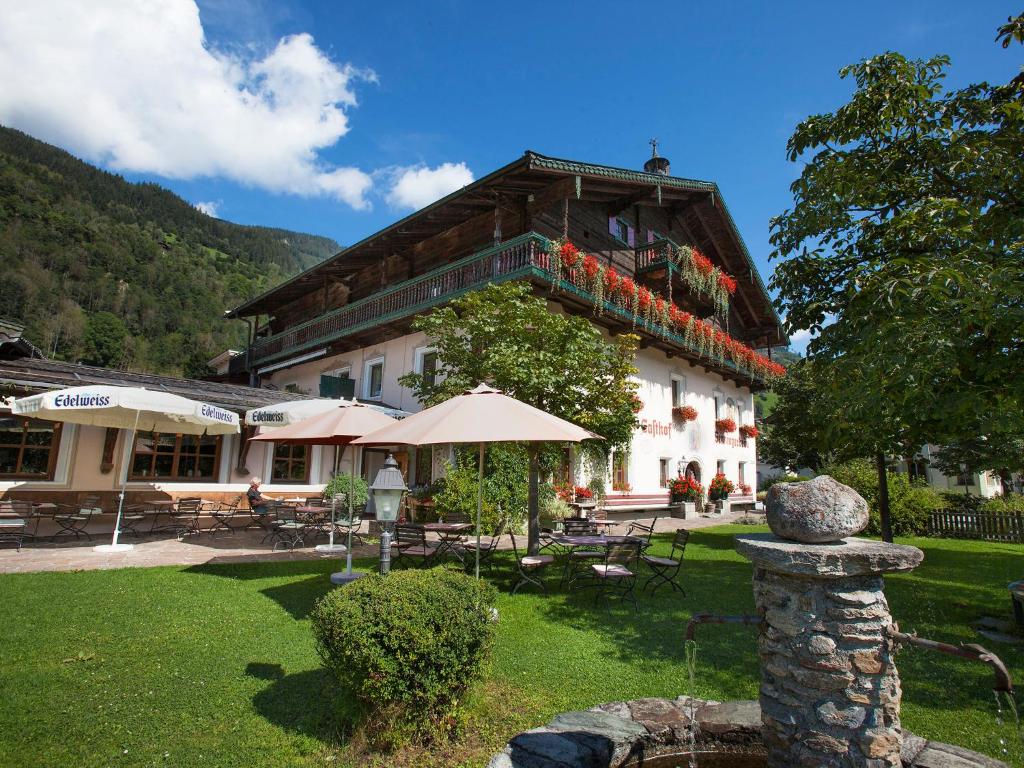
pixel 338 426
pixel 482 415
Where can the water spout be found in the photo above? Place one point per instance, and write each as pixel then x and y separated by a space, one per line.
pixel 710 618
pixel 1003 682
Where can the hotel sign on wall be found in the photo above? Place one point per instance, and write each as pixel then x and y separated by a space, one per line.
pixel 654 427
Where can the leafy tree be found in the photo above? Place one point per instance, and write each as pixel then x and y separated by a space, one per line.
pixel 791 433
pixel 558 363
pixel 907 234
pixel 1002 452
pixel 105 337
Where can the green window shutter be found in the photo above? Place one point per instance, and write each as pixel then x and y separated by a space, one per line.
pixel 335 387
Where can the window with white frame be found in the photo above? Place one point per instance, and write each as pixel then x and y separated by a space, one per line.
pixel 426 364
pixel 678 390
pixel 663 465
pixel 373 379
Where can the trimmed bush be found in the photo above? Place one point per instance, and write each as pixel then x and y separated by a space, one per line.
pixel 408 645
pixel 1002 504
pixel 909 503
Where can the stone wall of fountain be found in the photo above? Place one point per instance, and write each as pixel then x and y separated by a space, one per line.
pixel 830 691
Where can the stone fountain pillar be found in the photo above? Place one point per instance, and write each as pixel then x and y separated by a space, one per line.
pixel 830 692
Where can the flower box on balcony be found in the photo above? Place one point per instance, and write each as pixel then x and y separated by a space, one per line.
pixel 749 431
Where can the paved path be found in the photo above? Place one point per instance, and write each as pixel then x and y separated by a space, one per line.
pixel 243 547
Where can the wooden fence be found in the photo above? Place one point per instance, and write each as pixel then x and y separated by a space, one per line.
pixel 988 526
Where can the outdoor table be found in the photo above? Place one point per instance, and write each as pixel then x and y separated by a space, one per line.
pixel 156 508
pixel 448 535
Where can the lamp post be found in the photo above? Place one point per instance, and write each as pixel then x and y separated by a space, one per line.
pixel 387 489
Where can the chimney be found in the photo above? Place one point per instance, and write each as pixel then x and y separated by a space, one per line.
pixel 656 164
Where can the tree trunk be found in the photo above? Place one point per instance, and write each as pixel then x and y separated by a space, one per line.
pixel 533 501
pixel 883 498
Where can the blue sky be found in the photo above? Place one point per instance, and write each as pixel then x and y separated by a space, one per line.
pixel 352 112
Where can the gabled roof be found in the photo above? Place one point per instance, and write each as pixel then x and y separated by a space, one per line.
pixel 527 175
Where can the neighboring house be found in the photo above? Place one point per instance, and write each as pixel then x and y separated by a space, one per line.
pixel 986 484
pixel 343 326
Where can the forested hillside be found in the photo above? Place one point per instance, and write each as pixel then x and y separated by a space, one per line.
pixel 126 275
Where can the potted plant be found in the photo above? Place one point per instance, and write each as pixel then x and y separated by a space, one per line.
pixel 719 490
pixel 684 413
pixel 685 493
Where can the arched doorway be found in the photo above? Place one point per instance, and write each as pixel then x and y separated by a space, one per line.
pixel 692 471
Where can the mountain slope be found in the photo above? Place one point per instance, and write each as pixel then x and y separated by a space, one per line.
pixel 113 273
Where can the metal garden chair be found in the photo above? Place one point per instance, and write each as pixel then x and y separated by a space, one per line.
pixel 410 543
pixel 488 546
pixel 642 531
pixel 74 518
pixel 14 517
pixel 529 567
pixel 665 569
pixel 616 575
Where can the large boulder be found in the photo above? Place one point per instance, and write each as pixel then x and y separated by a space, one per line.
pixel 815 512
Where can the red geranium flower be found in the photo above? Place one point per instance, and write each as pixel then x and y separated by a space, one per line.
pixel 727 282
pixel 569 253
pixel 590 266
pixel 611 280
pixel 645 299
pixel 725 425
pixel 749 431
pixel 702 263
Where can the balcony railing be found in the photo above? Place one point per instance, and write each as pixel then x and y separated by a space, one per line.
pixel 710 284
pixel 506 261
pixel 525 256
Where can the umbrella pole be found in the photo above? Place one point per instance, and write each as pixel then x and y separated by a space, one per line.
pixel 350 494
pixel 120 501
pixel 479 506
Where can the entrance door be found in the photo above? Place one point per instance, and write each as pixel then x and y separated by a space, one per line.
pixel 693 471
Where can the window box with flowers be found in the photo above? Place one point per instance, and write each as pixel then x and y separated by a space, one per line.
pixel 748 432
pixel 684 413
pixel 725 426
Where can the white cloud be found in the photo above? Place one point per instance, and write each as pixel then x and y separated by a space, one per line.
pixel 798 341
pixel 418 186
pixel 135 86
pixel 209 208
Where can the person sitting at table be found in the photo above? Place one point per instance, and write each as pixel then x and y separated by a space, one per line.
pixel 257 501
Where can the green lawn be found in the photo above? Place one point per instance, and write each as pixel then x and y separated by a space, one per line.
pixel 215 665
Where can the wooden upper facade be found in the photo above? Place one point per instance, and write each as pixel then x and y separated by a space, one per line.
pixel 500 227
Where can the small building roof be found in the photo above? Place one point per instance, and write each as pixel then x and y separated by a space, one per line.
pixel 34 374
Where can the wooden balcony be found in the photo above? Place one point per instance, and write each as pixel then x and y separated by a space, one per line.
pixel 523 257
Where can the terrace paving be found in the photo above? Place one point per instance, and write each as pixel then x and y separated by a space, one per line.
pixel 242 547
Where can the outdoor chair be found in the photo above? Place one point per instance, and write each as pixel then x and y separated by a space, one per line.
pixel 266 521
pixel 14 517
pixel 73 518
pixel 410 543
pixel 665 569
pixel 642 531
pixel 488 546
pixel 342 523
pixel 185 517
pixel 290 534
pixel 576 526
pixel 616 575
pixel 132 517
pixel 530 567
pixel 223 513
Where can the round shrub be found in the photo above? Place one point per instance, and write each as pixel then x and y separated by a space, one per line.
pixel 408 645
pixel 342 482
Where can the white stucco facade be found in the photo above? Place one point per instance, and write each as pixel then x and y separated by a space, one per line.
pixel 658 438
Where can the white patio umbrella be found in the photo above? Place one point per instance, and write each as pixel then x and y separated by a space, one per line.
pixel 132 408
pixel 338 427
pixel 481 415
pixel 294 411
